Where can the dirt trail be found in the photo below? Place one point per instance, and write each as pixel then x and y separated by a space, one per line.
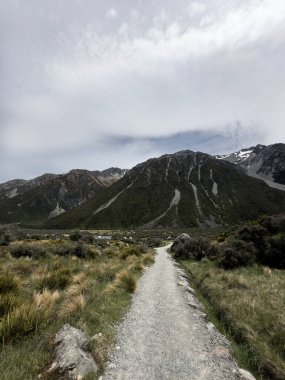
pixel 165 337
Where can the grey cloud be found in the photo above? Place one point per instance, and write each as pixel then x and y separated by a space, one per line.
pixel 77 75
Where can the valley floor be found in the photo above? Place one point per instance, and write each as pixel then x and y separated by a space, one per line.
pixel 163 337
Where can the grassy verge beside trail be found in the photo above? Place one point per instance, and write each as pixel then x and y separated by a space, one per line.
pixel 248 305
pixel 44 284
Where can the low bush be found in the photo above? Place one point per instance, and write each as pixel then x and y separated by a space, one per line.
pixel 237 253
pixel 274 255
pixel 78 249
pixel 154 242
pixel 85 237
pixel 28 250
pixel 195 249
pixel 255 234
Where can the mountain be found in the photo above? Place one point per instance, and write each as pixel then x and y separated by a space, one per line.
pixel 52 194
pixel 260 161
pixel 184 189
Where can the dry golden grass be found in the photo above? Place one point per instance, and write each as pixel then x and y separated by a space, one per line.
pixel 46 298
pixel 250 302
pixel 90 293
pixel 72 305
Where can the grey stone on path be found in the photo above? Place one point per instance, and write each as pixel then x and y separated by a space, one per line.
pixel 72 359
pixel 163 338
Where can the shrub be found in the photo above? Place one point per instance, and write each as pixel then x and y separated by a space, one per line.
pixel 154 242
pixel 81 250
pixel 237 253
pixel 85 237
pixel 274 254
pixel 196 249
pixel 4 239
pixel 28 250
pixel 143 247
pixel 253 233
pixel 78 249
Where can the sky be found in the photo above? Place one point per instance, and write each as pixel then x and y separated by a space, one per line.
pixel 93 84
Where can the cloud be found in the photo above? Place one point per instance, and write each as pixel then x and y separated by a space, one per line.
pixel 78 90
pixel 196 8
pixel 112 13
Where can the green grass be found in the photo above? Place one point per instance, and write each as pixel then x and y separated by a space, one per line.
pixel 248 306
pixel 40 294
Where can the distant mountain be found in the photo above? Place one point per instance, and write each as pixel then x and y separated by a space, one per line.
pixel 260 161
pixel 177 190
pixel 52 194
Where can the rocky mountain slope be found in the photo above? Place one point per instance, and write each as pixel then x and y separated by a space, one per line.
pixel 52 194
pixel 183 189
pixel 260 161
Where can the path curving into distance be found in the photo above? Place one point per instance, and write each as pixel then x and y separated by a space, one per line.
pixel 163 337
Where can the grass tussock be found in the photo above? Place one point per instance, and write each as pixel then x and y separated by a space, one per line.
pixel 23 320
pixel 249 302
pixel 46 283
pixel 59 279
pixel 74 304
pixel 9 283
pixel 46 299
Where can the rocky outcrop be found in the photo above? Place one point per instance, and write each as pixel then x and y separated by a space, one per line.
pixel 72 358
pixel 260 161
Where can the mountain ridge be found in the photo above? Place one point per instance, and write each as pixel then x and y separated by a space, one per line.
pixel 184 189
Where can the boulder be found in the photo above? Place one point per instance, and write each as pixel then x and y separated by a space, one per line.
pixel 72 358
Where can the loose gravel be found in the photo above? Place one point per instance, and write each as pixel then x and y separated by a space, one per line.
pixel 165 334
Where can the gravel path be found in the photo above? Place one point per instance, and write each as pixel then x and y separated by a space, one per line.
pixel 165 334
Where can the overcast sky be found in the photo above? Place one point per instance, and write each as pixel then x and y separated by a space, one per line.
pixel 93 84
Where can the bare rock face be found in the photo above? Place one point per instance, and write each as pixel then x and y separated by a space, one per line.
pixel 72 358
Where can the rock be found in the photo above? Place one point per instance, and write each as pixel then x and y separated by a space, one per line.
pixel 96 336
pixel 190 290
pixel 194 305
pixel 221 352
pixel 112 366
pixel 181 239
pixel 72 357
pixel 245 375
pixel 202 315
pixel 210 326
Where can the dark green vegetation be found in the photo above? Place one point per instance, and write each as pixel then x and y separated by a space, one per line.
pixel 185 189
pixel 45 283
pixel 240 278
